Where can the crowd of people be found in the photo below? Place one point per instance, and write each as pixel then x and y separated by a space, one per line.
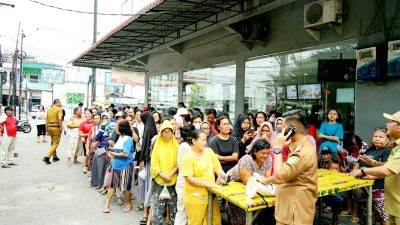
pixel 173 157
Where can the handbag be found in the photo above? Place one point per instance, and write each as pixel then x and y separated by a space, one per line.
pixel 100 152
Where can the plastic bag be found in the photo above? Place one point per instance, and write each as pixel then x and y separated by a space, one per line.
pixel 165 194
pixel 142 174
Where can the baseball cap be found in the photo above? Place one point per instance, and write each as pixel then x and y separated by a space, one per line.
pixel 326 150
pixel 146 108
pixel 395 117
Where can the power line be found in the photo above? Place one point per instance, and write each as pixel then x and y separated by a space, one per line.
pixel 88 12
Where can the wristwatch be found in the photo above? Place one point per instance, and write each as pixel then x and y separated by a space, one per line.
pixel 362 171
pixel 277 150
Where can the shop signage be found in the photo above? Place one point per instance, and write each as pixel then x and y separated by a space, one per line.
pixel 75 98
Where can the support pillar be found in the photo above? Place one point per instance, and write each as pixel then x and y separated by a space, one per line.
pixel 240 83
pixel 146 89
pixel 180 86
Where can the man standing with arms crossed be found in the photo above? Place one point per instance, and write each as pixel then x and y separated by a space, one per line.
pixel 53 129
pixel 390 170
pixel 296 179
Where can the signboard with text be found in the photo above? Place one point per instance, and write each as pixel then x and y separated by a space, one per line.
pixel 54 76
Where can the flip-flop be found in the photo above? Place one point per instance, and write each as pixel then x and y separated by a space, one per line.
pixel 126 209
pixel 355 219
pixel 106 210
pixel 143 219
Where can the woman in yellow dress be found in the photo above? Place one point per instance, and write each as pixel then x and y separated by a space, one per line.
pixel 199 167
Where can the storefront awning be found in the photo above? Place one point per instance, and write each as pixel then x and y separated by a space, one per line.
pixel 162 24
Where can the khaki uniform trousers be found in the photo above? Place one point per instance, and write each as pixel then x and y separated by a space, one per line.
pixel 393 220
pixel 55 135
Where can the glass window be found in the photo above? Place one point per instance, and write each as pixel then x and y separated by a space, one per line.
pixel 289 81
pixel 163 91
pixel 211 88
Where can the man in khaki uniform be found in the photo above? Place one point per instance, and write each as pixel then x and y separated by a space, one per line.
pixel 296 179
pixel 390 171
pixel 54 129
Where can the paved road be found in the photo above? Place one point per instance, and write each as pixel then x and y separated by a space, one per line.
pixel 38 194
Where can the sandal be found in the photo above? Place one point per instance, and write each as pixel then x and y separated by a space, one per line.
pixel 346 213
pixel 106 210
pixel 140 208
pixel 355 219
pixel 143 219
pixel 127 209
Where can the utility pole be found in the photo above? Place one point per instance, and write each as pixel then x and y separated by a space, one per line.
pixel 20 76
pixel 94 41
pixel 13 75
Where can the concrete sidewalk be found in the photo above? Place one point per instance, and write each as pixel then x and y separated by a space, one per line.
pixel 37 194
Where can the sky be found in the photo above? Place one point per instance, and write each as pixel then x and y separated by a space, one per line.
pixel 53 35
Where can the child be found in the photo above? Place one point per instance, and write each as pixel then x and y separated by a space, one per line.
pixel 325 158
pixel 336 200
pixel 331 132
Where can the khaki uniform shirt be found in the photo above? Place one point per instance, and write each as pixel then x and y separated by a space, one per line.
pixel 296 192
pixel 53 114
pixel 392 183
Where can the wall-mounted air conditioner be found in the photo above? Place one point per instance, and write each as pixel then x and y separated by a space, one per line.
pixel 321 12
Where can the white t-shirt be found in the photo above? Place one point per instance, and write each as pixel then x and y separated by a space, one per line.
pixel 41 118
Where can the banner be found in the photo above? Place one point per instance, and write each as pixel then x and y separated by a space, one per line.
pixel 108 83
pixel 127 77
pixel 75 98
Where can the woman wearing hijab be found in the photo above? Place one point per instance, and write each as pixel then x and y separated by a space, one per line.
pixel 278 125
pixel 266 132
pixel 100 146
pixel 164 172
pixel 149 132
pixel 206 128
pixel 243 133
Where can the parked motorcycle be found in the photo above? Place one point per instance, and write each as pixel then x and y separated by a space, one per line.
pixel 24 126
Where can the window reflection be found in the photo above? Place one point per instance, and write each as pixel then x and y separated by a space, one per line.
pixel 163 91
pixel 211 88
pixel 287 81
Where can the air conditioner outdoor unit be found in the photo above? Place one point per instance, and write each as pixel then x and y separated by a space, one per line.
pixel 322 12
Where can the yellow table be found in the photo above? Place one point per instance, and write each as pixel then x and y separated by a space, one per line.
pixel 329 183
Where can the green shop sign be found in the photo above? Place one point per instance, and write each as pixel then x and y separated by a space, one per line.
pixel 75 98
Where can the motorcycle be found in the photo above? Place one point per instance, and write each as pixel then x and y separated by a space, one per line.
pixel 24 126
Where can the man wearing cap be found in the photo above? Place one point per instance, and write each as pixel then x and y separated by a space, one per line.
pixel 54 127
pixel 9 133
pixel 390 171
pixel 325 158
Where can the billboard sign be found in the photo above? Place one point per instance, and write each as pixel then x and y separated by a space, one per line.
pixel 54 76
pixel 75 98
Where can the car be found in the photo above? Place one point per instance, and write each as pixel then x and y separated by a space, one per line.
pixel 35 108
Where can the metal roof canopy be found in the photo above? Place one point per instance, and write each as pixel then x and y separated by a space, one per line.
pixel 163 24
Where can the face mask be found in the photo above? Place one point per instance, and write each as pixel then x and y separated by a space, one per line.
pixel 197 126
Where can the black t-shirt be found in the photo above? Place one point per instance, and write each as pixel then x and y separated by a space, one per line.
pixel 380 155
pixel 225 148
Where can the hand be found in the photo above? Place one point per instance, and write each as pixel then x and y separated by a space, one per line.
pixel 141 165
pixel 105 122
pixel 262 179
pixel 367 160
pixel 281 140
pixel 356 173
pixel 47 133
pixel 166 178
pixel 246 136
pixel 213 185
